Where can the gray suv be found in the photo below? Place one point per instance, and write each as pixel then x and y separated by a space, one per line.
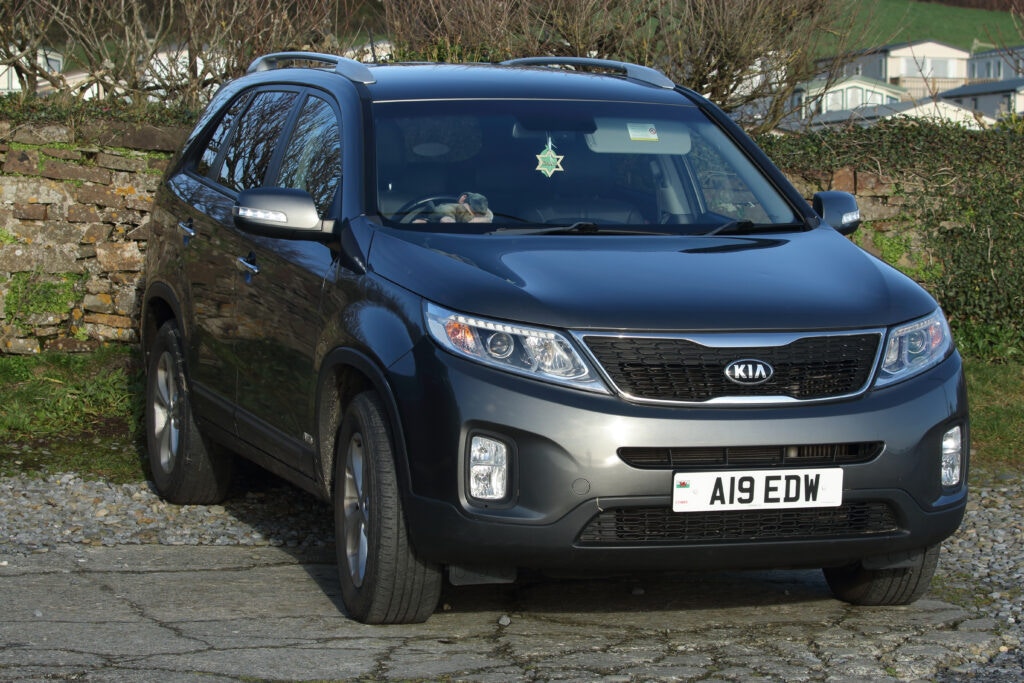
pixel 550 314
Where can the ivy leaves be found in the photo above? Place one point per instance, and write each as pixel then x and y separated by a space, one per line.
pixel 961 198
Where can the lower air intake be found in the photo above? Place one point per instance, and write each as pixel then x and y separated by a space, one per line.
pixel 662 526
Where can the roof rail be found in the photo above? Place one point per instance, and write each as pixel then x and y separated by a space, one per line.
pixel 349 68
pixel 641 73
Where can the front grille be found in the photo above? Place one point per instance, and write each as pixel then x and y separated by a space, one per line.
pixel 674 369
pixel 750 456
pixel 625 526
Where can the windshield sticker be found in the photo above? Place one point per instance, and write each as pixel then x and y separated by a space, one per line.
pixel 642 132
pixel 548 162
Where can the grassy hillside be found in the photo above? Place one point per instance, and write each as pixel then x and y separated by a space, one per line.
pixel 901 21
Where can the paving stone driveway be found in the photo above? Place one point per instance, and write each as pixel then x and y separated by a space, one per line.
pixel 136 613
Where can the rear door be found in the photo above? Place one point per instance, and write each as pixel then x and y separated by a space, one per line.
pixel 236 156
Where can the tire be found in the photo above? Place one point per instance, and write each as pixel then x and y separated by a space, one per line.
pixel 383 581
pixel 186 467
pixel 898 586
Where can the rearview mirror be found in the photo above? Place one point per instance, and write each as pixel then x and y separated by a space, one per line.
pixel 280 212
pixel 838 209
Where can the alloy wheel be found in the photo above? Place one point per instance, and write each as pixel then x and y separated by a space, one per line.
pixel 356 510
pixel 166 413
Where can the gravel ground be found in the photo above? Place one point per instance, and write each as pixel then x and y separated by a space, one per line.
pixel 981 568
pixel 38 514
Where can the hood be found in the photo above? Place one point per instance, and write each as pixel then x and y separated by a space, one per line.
pixel 816 280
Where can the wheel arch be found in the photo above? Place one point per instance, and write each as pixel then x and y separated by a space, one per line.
pixel 160 305
pixel 345 373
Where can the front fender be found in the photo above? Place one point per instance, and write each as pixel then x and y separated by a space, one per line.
pixel 369 335
pixel 344 373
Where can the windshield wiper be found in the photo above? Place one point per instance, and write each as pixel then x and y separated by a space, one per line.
pixel 745 227
pixel 578 228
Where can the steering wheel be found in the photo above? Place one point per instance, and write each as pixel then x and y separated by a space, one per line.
pixel 423 208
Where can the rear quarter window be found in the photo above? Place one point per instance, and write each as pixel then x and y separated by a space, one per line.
pixel 216 144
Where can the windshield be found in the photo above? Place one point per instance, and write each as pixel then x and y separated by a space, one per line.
pixel 482 166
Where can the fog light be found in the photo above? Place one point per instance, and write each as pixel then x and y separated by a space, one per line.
pixel 952 457
pixel 488 468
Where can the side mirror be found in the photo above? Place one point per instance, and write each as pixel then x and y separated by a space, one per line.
pixel 838 209
pixel 280 212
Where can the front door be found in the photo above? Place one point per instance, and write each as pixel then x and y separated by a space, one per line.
pixel 278 298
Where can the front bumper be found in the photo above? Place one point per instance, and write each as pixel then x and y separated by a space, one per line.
pixel 575 504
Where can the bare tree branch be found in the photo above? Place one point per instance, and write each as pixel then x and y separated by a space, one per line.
pixel 24 25
pixel 748 56
pixel 117 40
pixel 175 51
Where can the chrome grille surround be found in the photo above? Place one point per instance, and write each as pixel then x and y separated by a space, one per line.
pixel 689 369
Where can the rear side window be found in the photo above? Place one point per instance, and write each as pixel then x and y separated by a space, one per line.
pixel 312 159
pixel 257 135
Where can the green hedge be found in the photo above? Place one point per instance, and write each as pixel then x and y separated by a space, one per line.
pixel 961 194
pixel 17 109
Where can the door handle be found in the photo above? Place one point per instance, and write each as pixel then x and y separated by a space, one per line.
pixel 187 227
pixel 247 265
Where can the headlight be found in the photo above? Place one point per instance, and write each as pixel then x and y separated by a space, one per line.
pixel 532 351
pixel 913 348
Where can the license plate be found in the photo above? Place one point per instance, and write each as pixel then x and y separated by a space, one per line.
pixel 757 490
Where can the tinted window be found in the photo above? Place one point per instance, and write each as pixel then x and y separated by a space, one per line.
pixel 558 163
pixel 312 160
pixel 256 138
pixel 213 148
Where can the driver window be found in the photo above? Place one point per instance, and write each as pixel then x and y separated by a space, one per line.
pixel 312 159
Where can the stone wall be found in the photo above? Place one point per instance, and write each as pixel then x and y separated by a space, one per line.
pixel 890 228
pixel 74 215
pixel 879 202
